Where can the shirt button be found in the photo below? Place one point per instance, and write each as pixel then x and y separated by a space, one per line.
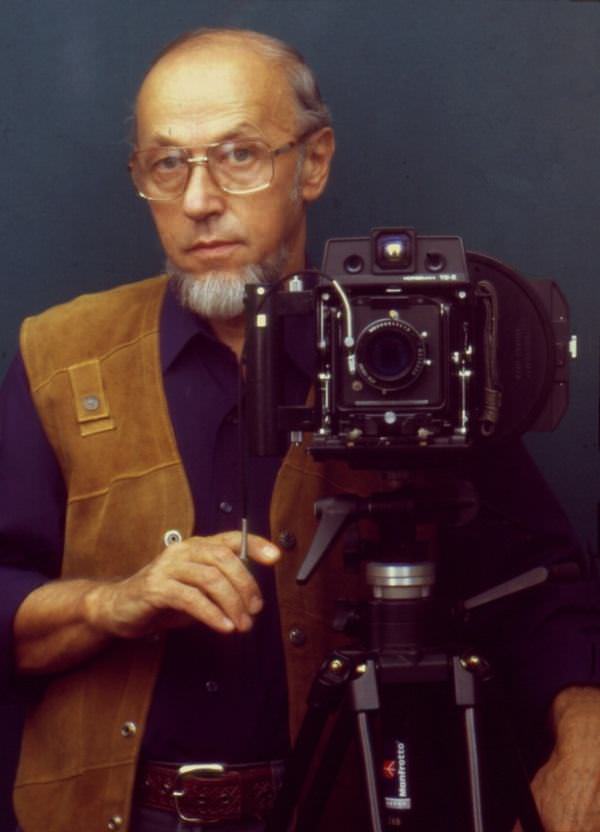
pixel 212 686
pixel 297 637
pixel 286 539
pixel 128 729
pixel 171 537
pixel 225 507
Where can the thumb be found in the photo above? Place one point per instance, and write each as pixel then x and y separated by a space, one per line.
pixel 262 551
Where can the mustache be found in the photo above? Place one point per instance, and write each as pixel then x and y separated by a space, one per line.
pixel 215 228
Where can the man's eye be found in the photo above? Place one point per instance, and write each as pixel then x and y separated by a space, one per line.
pixel 166 164
pixel 242 154
pixel 239 154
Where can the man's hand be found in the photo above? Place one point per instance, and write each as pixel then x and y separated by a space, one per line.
pixel 567 787
pixel 200 579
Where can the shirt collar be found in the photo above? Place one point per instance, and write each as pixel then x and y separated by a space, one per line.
pixel 178 326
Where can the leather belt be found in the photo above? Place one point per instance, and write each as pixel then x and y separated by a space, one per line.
pixel 209 792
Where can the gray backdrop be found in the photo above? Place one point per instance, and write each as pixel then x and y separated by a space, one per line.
pixel 473 117
pixel 479 118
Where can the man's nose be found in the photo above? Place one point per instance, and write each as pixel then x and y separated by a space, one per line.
pixel 202 195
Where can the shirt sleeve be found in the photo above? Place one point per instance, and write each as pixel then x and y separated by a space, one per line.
pixel 544 638
pixel 32 505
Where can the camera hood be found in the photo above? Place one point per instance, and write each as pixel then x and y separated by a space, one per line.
pixel 532 349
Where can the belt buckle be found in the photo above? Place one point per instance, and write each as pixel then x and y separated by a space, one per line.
pixel 203 769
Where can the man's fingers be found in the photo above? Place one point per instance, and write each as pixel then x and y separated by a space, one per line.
pixel 202 577
pixel 262 551
pixel 212 566
pixel 223 559
pixel 215 582
pixel 259 548
pixel 198 606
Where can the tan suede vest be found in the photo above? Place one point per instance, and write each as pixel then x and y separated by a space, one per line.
pixel 94 371
pixel 99 392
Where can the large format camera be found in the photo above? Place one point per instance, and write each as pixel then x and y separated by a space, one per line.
pixel 421 351
pixel 420 347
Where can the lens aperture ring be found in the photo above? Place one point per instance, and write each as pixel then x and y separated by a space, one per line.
pixel 390 354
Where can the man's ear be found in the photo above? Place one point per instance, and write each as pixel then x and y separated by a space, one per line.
pixel 319 150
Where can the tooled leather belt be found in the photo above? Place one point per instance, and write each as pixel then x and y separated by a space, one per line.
pixel 209 792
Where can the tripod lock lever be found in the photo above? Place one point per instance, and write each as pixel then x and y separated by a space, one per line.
pixel 333 513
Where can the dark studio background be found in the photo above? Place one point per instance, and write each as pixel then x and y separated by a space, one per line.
pixel 472 117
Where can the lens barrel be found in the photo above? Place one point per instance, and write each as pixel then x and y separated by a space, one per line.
pixel 390 354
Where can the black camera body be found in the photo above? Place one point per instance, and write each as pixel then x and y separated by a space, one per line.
pixel 399 377
pixel 420 348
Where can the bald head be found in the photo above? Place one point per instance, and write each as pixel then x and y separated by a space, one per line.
pixel 310 111
pixel 196 83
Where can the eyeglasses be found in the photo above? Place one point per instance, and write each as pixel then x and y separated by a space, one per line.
pixel 237 166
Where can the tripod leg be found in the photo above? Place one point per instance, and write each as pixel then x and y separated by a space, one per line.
pixel 325 697
pixel 466 696
pixel 370 773
pixel 474 769
pixel 326 774
pixel 365 699
pixel 465 672
pixel 296 768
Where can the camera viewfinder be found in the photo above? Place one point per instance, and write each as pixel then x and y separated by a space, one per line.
pixel 395 250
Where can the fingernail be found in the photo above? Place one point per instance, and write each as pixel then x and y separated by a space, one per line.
pixel 245 622
pixel 270 552
pixel 228 624
pixel 255 605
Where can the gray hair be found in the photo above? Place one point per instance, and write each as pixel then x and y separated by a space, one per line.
pixel 312 112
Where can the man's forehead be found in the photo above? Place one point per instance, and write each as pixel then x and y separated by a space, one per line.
pixel 215 89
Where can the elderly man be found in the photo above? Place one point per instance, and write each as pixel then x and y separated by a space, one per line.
pixel 156 646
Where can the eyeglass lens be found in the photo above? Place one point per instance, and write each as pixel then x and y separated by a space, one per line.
pixel 241 165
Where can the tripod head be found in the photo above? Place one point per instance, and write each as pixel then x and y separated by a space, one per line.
pixel 400 570
pixel 397 513
pixel 401 573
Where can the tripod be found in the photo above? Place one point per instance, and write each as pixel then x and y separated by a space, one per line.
pixel 373 691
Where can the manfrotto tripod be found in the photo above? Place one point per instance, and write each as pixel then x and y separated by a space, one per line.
pixel 396 691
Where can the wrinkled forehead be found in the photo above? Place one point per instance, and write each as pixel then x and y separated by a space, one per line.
pixel 201 93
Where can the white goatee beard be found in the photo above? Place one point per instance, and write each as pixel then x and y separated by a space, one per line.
pixel 220 294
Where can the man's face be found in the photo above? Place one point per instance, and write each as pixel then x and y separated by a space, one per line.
pixel 202 95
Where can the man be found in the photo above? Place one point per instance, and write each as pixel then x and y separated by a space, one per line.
pixel 157 646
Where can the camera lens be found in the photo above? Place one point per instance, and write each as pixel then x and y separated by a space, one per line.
pixel 390 354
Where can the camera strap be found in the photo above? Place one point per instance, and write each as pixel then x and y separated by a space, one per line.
pixel 492 393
